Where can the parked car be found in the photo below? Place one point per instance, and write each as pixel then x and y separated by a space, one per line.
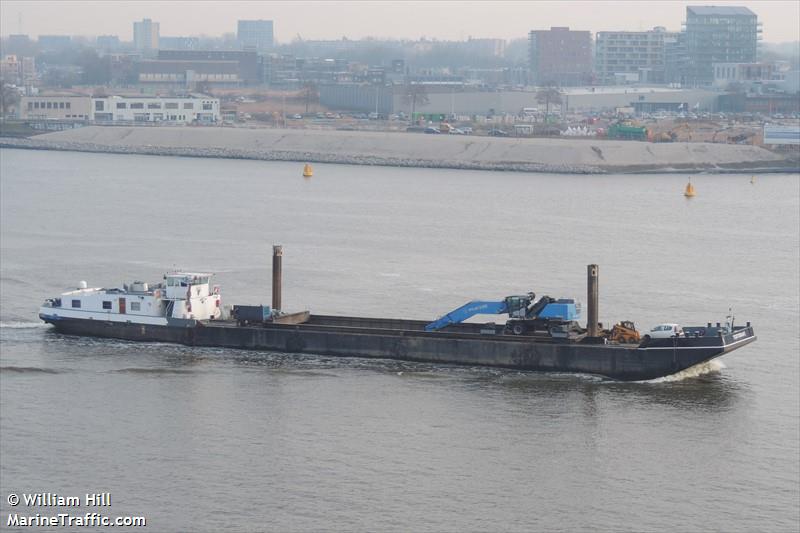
pixel 431 130
pixel 467 130
pixel 498 133
pixel 297 116
pixel 664 331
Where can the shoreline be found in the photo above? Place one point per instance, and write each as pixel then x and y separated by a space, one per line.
pixel 415 150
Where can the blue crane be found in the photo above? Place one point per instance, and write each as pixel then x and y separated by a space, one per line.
pixel 517 308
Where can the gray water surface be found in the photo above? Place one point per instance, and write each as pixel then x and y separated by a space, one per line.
pixel 200 439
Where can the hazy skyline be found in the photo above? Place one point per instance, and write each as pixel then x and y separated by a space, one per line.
pixel 356 20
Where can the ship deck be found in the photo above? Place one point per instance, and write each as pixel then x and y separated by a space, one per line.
pixel 406 328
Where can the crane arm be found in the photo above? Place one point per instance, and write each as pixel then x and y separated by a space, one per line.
pixel 460 314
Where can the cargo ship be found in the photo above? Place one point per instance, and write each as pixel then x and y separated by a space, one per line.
pixel 539 334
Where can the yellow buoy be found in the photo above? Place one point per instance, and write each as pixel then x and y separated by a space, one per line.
pixel 752 179
pixel 689 192
pixel 308 171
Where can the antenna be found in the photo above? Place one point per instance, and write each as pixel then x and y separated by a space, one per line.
pixel 19 21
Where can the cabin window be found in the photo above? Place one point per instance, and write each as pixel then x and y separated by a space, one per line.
pixel 76 303
pixel 136 306
pixel 106 304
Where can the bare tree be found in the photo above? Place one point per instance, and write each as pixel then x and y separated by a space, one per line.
pixel 548 95
pixel 9 97
pixel 310 94
pixel 413 94
pixel 736 87
pixel 203 87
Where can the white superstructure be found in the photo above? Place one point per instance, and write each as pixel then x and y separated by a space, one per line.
pixel 186 110
pixel 181 295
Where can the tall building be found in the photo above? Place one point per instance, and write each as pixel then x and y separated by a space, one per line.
pixel 486 47
pixel 19 44
pixel 145 35
pixel 631 56
pixel 107 43
pixel 721 34
pixel 17 70
pixel 676 59
pixel 255 34
pixel 560 57
pixel 54 43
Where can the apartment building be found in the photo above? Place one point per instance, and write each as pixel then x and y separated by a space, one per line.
pixel 631 56
pixel 145 35
pixel 560 56
pixel 719 34
pixel 255 34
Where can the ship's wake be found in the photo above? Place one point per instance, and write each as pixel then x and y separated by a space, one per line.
pixel 708 367
pixel 22 325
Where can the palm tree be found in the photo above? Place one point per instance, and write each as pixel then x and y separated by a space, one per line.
pixel 548 95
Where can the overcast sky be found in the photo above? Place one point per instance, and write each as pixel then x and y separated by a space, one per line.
pixel 358 19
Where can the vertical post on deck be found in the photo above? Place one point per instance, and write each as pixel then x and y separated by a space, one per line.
pixel 277 276
pixel 593 291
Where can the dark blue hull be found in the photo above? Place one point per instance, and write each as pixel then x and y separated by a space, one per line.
pixel 406 340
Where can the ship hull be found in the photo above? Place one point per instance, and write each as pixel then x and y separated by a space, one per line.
pixel 406 340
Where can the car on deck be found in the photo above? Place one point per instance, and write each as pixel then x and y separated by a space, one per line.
pixel 664 331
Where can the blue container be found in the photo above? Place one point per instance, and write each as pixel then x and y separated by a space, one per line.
pixel 563 309
pixel 252 313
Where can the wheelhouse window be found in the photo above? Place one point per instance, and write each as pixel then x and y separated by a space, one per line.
pixel 76 303
pixel 106 304
pixel 136 306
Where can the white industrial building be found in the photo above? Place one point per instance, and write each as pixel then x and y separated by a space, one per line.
pixel 186 110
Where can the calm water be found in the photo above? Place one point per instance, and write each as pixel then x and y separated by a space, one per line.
pixel 208 440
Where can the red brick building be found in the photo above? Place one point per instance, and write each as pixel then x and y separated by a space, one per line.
pixel 562 57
